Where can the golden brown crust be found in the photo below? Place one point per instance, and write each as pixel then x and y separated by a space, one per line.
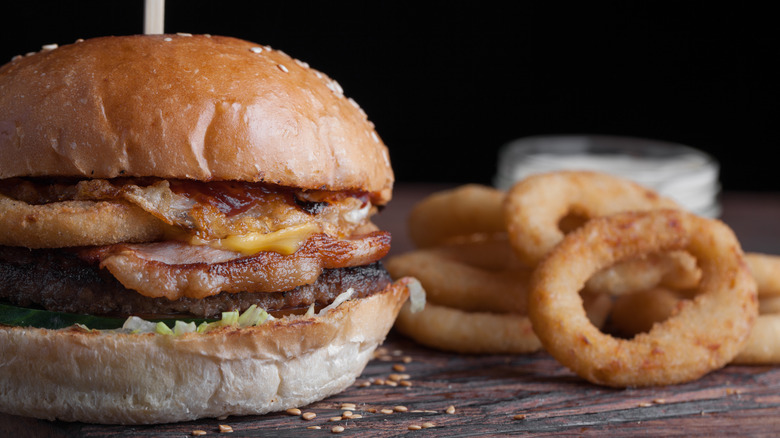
pixel 149 378
pixel 194 107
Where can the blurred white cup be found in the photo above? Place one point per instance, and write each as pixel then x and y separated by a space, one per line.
pixel 683 173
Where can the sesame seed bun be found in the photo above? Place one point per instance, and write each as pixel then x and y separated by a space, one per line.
pixel 208 109
pixel 113 378
pixel 185 106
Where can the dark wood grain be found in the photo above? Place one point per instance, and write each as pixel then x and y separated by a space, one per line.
pixel 489 391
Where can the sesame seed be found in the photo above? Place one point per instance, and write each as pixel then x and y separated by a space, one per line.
pixel 198 432
pixel 379 381
pixel 256 49
pixel 335 87
pixel 450 409
pixel 659 401
pixel 391 383
pixel 309 415
pixel 346 414
pixel 353 102
pixel 355 417
pixel 184 34
pixel 375 137
pixel 519 417
pixel 400 409
pixel 294 411
pixel 49 46
pixel 405 383
pixel 16 58
pixel 350 406
pixel 364 384
pixel 335 419
pixel 414 427
pixel 407 359
pixel 398 367
pixel 386 411
pixel 314 427
pixel 167 39
pixel 301 63
pixel 224 428
pixel 372 410
pixel 427 425
pixel 80 40
pixel 337 429
pixel 282 68
pixel 644 404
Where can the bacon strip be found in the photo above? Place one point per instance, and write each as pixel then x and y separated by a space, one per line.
pixel 174 269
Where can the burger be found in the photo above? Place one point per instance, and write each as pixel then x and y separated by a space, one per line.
pixel 185 232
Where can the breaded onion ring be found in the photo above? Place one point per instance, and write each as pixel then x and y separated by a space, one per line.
pixel 75 223
pixel 460 285
pixel 672 269
pixel 763 345
pixel 535 206
pixel 461 211
pixel 766 270
pixel 449 329
pixel 706 333
pixel 638 312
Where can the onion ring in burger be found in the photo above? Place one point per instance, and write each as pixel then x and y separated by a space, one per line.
pixel 706 333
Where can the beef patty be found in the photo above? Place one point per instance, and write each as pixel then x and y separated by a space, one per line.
pixel 58 280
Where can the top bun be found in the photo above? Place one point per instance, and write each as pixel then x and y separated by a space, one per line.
pixel 185 106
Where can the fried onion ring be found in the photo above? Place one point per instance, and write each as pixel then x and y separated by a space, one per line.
pixel 535 206
pixel 461 211
pixel 766 270
pixel 637 313
pixel 706 333
pixel 453 283
pixel 762 347
pixel 75 223
pixel 671 269
pixel 455 330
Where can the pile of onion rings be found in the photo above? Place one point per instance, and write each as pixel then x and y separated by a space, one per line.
pixel 616 282
pixel 476 288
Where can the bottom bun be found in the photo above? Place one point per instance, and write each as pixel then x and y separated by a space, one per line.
pixel 119 378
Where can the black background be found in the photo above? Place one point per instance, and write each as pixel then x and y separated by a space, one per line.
pixel 447 83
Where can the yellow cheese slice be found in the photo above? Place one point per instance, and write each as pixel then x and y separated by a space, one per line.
pixel 285 241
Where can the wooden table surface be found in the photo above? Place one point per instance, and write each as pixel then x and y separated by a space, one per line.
pixel 487 392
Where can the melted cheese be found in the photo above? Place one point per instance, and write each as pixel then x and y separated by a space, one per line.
pixel 285 241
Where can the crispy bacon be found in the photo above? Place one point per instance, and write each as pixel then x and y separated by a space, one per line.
pixel 174 269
